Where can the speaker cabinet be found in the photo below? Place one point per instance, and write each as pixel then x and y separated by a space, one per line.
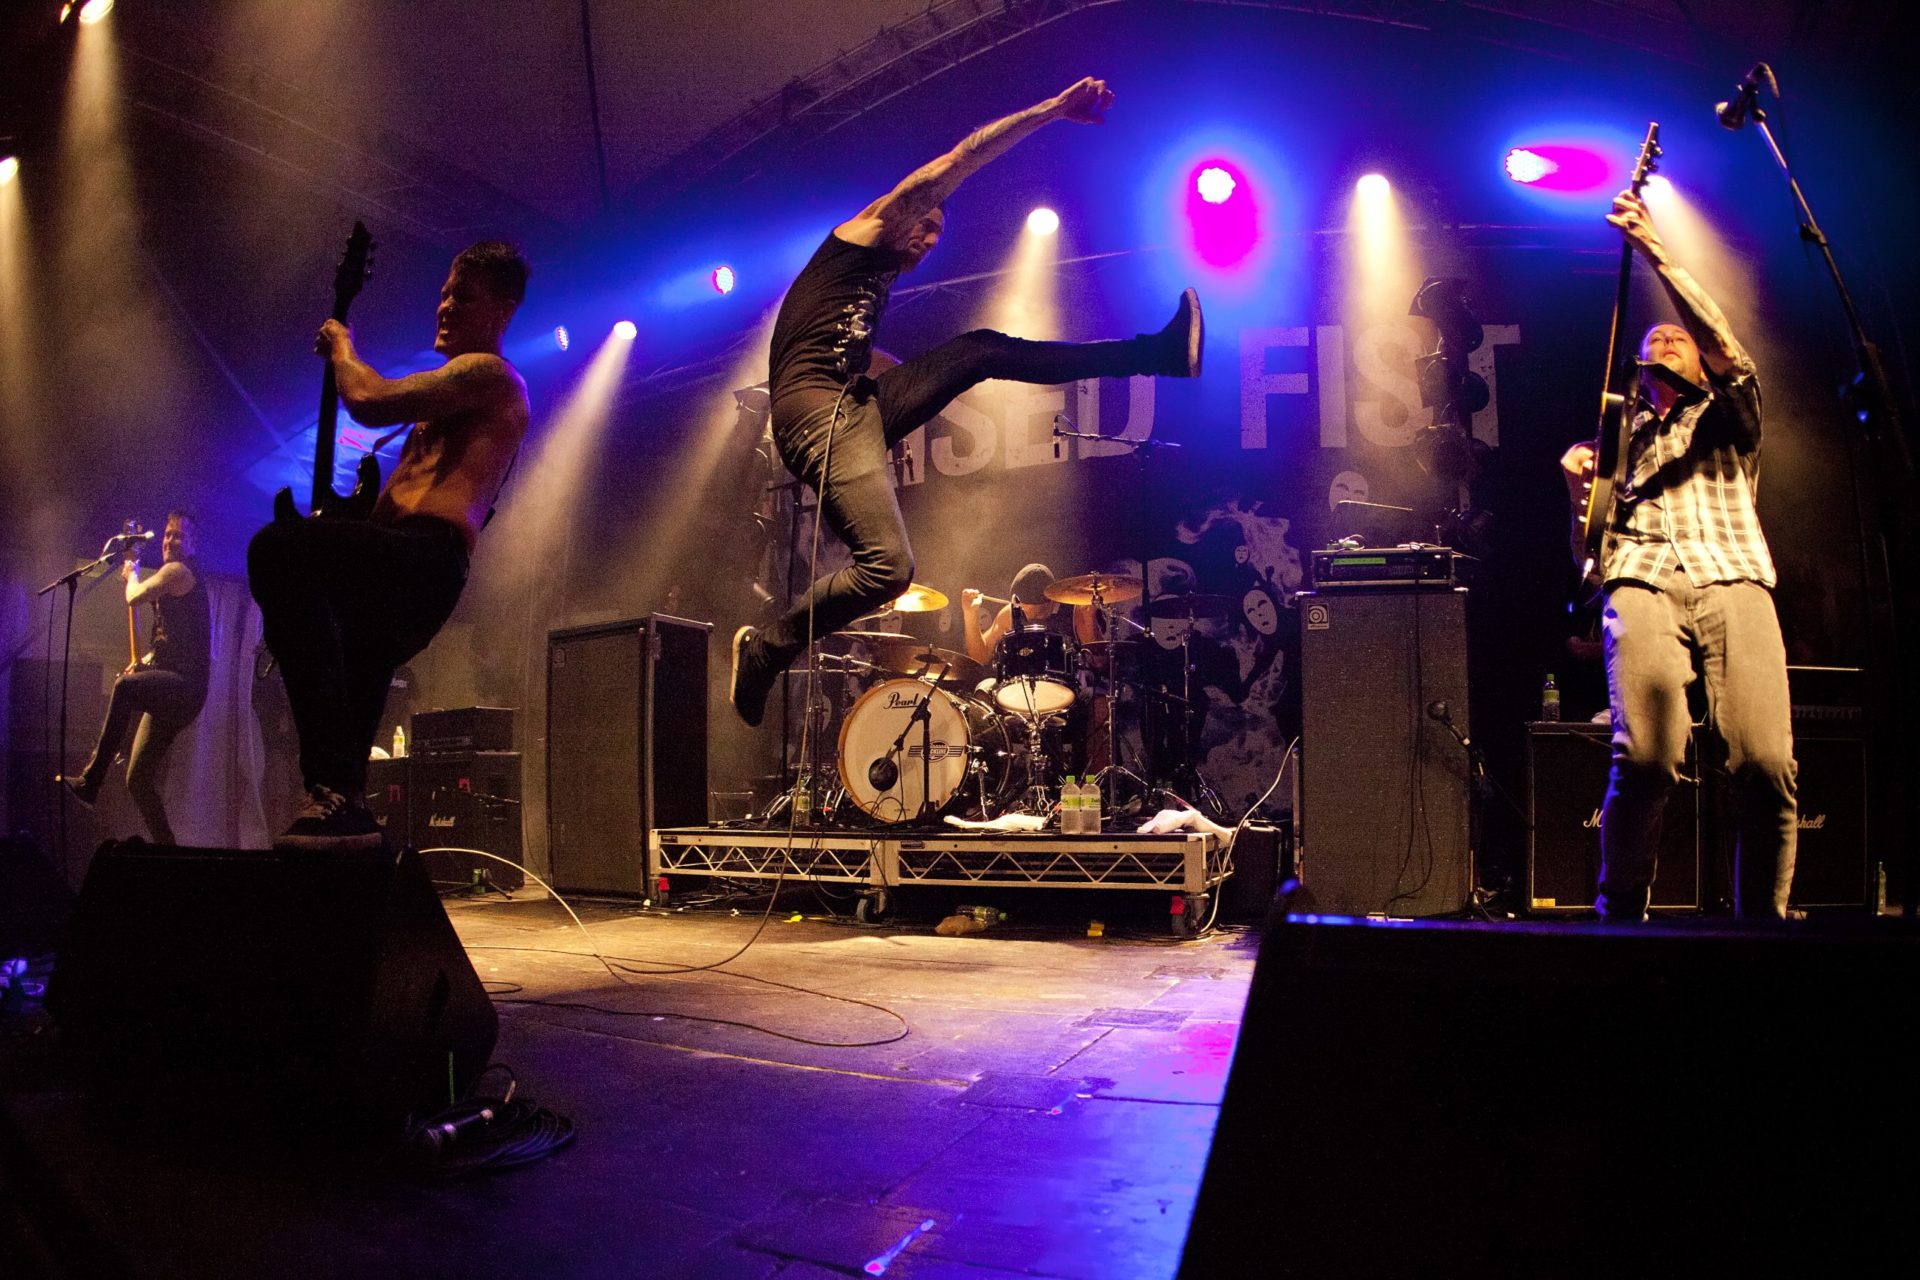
pixel 281 989
pixel 1659 1101
pixel 468 800
pixel 1384 793
pixel 1832 862
pixel 626 746
pixel 388 786
pixel 1567 770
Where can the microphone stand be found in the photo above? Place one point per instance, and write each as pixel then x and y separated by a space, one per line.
pixel 1141 451
pixel 71 581
pixel 1888 548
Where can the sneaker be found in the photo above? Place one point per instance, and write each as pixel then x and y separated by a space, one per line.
pixel 82 788
pixel 329 820
pixel 747 689
pixel 1185 336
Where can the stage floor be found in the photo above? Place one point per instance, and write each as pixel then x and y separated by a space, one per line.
pixel 1047 1113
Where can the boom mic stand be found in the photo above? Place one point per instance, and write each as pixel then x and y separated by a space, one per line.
pixel 1141 451
pixel 1888 550
pixel 71 581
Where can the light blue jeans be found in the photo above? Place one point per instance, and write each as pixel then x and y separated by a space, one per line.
pixel 1652 638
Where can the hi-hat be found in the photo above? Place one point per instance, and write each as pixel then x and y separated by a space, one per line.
pixel 918 599
pixel 1106 588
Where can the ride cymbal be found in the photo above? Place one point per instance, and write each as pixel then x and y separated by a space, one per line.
pixel 918 598
pixel 1106 588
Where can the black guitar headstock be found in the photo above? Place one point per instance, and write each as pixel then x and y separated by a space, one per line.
pixel 355 269
pixel 1649 158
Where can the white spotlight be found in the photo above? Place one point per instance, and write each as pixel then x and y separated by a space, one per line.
pixel 94 10
pixel 626 330
pixel 1043 222
pixel 1373 186
pixel 9 166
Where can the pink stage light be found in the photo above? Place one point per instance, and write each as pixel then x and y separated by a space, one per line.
pixel 723 279
pixel 1221 214
pixel 1554 167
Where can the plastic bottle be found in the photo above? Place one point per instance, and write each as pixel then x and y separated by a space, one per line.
pixel 803 801
pixel 1090 818
pixel 1549 699
pixel 399 742
pixel 1070 806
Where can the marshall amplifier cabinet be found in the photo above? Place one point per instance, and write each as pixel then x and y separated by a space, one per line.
pixel 468 801
pixel 1567 766
pixel 387 790
pixel 439 733
pixel 1829 746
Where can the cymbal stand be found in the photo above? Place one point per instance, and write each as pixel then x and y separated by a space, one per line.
pixel 1188 766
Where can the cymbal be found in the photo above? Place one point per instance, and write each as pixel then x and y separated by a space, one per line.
pixel 950 666
pixel 1191 606
pixel 919 598
pixel 1112 588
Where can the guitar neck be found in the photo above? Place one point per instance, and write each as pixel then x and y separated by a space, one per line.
pixel 323 439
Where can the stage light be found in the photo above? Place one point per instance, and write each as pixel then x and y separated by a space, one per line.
pixel 626 331
pixel 1214 184
pixel 1567 169
pixel 66 10
pixel 1372 186
pixel 94 10
pixel 561 338
pixel 1657 188
pixel 1523 165
pixel 723 279
pixel 1043 222
pixel 9 166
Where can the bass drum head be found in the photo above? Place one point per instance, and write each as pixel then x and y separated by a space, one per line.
pixel 871 728
pixel 1026 696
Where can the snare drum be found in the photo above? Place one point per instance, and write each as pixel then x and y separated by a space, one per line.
pixel 1035 675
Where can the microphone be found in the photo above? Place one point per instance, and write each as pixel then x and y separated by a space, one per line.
pixel 1733 113
pixel 1018 615
pixel 147 536
pixel 883 773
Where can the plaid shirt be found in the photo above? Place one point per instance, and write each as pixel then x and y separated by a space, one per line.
pixel 1690 489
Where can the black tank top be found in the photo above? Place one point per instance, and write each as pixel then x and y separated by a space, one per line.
pixel 182 638
pixel 824 333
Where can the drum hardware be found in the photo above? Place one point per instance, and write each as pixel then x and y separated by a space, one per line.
pixel 1192 607
pixel 917 598
pixel 910 748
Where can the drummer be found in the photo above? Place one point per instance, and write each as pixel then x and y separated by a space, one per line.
pixel 1029 589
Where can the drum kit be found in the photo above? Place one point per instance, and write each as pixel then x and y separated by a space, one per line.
pixel 923 731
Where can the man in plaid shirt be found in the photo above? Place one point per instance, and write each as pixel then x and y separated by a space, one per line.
pixel 1688 578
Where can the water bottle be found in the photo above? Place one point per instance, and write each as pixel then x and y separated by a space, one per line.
pixel 399 742
pixel 1069 807
pixel 1090 819
pixel 1549 699
pixel 803 801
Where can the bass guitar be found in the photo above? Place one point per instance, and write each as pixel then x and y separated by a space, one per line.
pixel 1619 398
pixel 356 267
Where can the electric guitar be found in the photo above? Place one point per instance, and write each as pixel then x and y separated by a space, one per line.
pixel 1619 398
pixel 356 267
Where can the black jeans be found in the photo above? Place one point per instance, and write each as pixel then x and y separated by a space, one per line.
pixel 343 603
pixel 166 702
pixel 854 485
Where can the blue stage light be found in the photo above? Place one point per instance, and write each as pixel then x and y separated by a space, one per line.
pixel 723 279
pixel 561 338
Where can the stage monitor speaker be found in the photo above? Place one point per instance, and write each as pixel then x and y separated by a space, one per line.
pixel 1262 862
pixel 1446 1099
pixel 469 800
pixel 1384 792
pixel 626 746
pixel 1567 768
pixel 273 990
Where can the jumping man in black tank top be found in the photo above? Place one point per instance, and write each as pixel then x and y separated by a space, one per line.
pixel 818 365
pixel 164 690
